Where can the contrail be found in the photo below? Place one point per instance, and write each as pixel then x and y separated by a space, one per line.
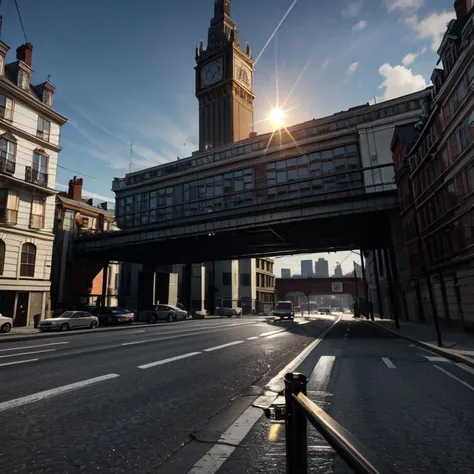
pixel 276 29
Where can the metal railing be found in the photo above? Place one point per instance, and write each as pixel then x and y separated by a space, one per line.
pixel 32 175
pixel 298 410
pixel 7 163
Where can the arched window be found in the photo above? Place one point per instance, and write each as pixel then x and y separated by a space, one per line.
pixel 28 260
pixel 2 256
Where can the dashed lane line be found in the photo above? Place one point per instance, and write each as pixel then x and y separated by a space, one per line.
pixel 33 347
pixel 36 397
pixel 222 346
pixel 388 363
pixel 26 353
pixel 18 362
pixel 166 361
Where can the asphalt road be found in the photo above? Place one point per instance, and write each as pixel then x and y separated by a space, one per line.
pixel 125 401
pixel 411 407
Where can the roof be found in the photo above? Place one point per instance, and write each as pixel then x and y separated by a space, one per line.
pixel 83 205
pixel 407 133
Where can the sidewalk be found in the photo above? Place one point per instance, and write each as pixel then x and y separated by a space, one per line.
pixel 457 344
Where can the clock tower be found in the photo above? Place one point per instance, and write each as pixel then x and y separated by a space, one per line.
pixel 224 83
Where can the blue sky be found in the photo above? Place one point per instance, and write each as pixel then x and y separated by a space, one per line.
pixel 124 70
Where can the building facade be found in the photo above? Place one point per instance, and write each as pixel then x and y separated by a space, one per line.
pixel 286 272
pixel 434 163
pixel 306 268
pixel 321 268
pixel 265 285
pixel 29 147
pixel 77 282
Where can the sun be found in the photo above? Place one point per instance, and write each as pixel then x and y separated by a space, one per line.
pixel 277 117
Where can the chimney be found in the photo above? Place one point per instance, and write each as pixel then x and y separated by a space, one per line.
pixel 25 53
pixel 460 6
pixel 75 189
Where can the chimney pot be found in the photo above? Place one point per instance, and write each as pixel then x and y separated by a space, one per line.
pixel 25 53
pixel 75 189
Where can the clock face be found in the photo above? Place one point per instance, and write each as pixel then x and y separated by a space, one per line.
pixel 212 72
pixel 243 74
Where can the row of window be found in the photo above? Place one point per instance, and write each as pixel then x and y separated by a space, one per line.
pixel 10 204
pixel 43 128
pixel 371 115
pixel 264 265
pixel 27 262
pixel 297 190
pixel 265 281
pixel 233 189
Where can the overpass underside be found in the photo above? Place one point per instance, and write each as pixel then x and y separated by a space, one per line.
pixel 361 222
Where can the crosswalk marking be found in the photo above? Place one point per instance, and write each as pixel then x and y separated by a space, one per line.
pixel 436 359
pixel 388 363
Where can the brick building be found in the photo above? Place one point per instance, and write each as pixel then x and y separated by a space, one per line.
pixel 434 165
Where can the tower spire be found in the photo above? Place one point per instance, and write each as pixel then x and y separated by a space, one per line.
pixel 221 8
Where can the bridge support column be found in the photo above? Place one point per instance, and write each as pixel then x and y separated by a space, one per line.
pixel 307 297
pixel 393 295
pixel 368 311
pixel 105 278
pixel 377 258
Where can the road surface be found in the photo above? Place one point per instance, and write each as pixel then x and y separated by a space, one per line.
pixel 126 401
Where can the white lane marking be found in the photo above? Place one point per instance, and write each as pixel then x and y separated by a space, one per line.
pixel 271 332
pixel 319 378
pixel 32 347
pixel 36 397
pixel 449 374
pixel 436 359
pixel 185 333
pixel 166 361
pixel 18 362
pixel 273 336
pixel 233 436
pixel 465 367
pixel 252 338
pixel 137 331
pixel 27 353
pixel 277 384
pixel 303 322
pixel 388 363
pixel 215 348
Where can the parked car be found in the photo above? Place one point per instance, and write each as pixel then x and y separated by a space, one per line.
pixel 163 312
pixel 69 320
pixel 113 315
pixel 229 312
pixel 5 323
pixel 284 309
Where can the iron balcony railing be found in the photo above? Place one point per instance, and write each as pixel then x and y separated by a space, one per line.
pixel 35 176
pixel 7 163
pixel 297 411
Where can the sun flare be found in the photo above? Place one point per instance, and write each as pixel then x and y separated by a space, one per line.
pixel 277 117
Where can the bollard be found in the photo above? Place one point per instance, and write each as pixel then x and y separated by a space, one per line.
pixel 296 432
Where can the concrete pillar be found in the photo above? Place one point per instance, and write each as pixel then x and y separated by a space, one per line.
pixel 187 286
pixel 105 275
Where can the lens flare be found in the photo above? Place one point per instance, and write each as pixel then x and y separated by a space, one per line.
pixel 277 117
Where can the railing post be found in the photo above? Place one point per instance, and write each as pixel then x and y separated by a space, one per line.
pixel 296 432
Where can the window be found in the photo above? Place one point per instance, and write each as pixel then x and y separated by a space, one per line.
pixel 47 97
pixel 37 213
pixel 40 169
pixel 9 202
pixel 6 107
pixel 7 155
pixel 2 256
pixel 44 128
pixel 23 79
pixel 28 260
pixel 245 279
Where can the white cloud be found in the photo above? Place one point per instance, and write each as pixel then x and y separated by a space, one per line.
pixel 411 57
pixel 88 194
pixel 352 9
pixel 433 26
pixel 399 80
pixel 352 68
pixel 403 4
pixel 359 26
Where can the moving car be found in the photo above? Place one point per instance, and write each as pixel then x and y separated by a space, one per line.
pixel 284 309
pixel 5 323
pixel 113 315
pixel 69 320
pixel 229 312
pixel 163 312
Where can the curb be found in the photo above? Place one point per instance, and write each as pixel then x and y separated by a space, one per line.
pixel 426 345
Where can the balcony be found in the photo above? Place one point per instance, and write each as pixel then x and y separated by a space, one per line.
pixel 7 163
pixel 35 176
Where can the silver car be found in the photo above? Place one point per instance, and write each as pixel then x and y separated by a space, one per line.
pixel 164 312
pixel 69 320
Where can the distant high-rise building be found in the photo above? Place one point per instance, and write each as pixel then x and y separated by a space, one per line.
pixel 358 270
pixel 338 271
pixel 286 273
pixel 306 268
pixel 321 268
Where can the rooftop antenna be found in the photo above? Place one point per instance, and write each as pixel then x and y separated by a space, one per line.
pixel 130 158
